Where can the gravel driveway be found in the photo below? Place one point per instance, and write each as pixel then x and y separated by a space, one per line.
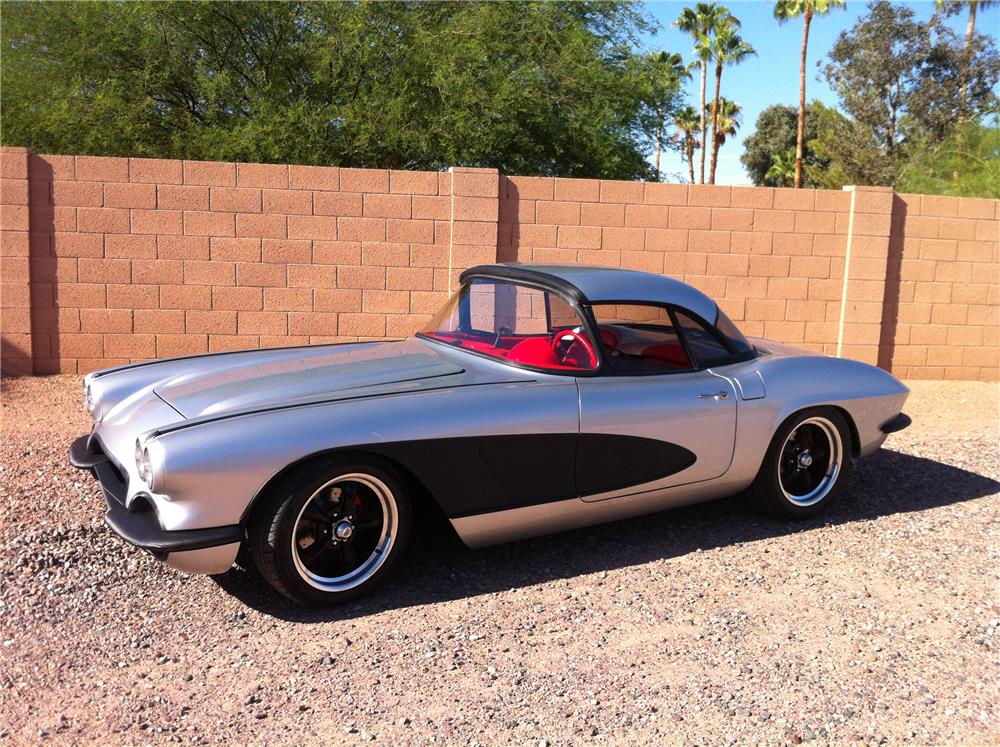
pixel 705 625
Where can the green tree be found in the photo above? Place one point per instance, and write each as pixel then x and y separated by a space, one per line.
pixel 898 80
pixel 967 164
pixel 783 168
pixel 951 7
pixel 729 116
pixel 728 48
pixel 776 132
pixel 527 87
pixel 666 72
pixel 785 10
pixel 700 22
pixel 687 122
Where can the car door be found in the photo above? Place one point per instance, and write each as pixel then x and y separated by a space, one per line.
pixel 641 433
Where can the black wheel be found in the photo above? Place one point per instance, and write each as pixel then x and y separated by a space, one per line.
pixel 330 531
pixel 806 465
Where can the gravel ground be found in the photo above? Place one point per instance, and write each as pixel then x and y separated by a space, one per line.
pixel 705 625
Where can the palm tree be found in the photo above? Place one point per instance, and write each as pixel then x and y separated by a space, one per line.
pixel 785 10
pixel 954 6
pixel 667 71
pixel 701 22
pixel 729 116
pixel 687 121
pixel 783 167
pixel 728 47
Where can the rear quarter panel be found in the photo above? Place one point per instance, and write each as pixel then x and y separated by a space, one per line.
pixel 797 380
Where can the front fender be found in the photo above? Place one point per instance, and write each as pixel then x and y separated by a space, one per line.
pixel 213 470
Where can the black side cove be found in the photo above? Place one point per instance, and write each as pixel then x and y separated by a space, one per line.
pixel 480 474
pixel 611 462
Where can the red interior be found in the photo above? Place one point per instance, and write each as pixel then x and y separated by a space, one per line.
pixel 609 338
pixel 670 352
pixel 531 350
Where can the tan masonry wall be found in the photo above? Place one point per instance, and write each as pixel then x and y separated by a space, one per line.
pixel 107 260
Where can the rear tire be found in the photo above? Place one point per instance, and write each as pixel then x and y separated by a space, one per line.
pixel 806 465
pixel 330 531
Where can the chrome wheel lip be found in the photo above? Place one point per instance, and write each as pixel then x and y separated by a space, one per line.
pixel 833 467
pixel 368 567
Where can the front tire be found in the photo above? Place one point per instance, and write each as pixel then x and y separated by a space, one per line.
pixel 806 465
pixel 330 531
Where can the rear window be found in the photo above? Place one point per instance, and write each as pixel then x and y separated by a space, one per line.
pixel 733 336
pixel 713 347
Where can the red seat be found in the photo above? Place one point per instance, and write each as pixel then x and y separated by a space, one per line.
pixel 535 351
pixel 670 352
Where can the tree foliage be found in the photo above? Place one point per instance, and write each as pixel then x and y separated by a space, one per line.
pixel 701 22
pixel 664 74
pixel 775 134
pixel 900 81
pixel 728 48
pixel 527 87
pixel 782 169
pixel 967 164
pixel 785 10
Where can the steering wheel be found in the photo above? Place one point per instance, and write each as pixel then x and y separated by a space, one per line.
pixel 568 344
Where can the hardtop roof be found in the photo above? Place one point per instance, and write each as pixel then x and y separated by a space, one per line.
pixel 589 284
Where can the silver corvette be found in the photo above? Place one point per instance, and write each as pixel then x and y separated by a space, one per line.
pixel 540 398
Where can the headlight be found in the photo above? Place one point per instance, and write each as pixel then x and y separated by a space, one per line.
pixel 143 463
pixel 88 398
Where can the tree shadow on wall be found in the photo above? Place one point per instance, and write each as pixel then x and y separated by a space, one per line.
pixel 44 268
pixel 439 568
pixel 893 280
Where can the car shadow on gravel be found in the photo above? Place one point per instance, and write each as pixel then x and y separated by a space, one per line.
pixel 438 567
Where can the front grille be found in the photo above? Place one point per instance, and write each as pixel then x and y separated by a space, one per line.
pixel 113 479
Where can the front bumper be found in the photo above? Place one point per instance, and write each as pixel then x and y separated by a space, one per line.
pixel 192 550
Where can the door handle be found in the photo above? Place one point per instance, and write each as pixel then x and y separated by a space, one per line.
pixel 717 396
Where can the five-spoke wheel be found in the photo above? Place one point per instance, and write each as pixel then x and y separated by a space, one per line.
pixel 806 464
pixel 344 532
pixel 330 530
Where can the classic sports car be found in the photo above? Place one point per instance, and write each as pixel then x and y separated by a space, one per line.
pixel 540 398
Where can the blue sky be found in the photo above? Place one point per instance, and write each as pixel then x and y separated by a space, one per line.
pixel 773 76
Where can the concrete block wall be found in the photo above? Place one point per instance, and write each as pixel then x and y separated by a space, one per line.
pixel 107 260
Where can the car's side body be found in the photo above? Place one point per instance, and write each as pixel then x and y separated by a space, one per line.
pixel 506 451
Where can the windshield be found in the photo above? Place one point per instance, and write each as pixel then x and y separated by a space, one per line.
pixel 515 323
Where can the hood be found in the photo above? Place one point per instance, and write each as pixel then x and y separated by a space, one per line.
pixel 270 378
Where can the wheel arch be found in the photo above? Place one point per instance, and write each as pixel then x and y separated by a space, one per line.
pixel 421 497
pixel 852 426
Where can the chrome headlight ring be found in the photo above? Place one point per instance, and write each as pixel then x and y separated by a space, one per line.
pixel 143 464
pixel 88 397
pixel 149 463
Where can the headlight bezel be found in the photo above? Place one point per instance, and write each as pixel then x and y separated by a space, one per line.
pixel 149 463
pixel 143 464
